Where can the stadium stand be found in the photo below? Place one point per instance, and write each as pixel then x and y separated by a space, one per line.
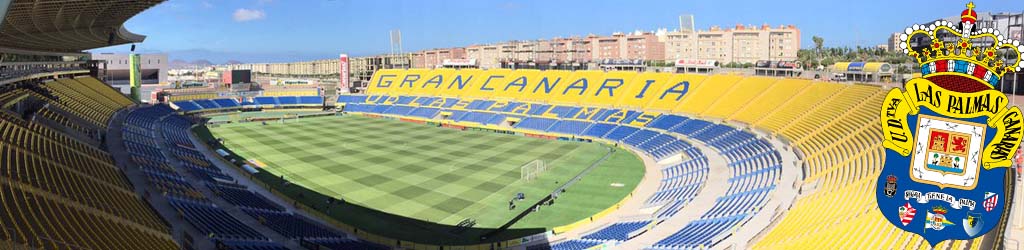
pixel 60 192
pixel 618 231
pixel 754 165
pixel 535 123
pixel 226 104
pixel 62 183
pixel 569 127
pixel 197 208
pixel 827 123
pixel 187 97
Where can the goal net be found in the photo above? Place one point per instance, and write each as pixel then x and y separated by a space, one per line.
pixel 530 171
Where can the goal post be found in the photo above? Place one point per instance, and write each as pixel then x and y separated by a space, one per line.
pixel 530 171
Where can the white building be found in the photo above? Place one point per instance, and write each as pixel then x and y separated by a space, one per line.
pixel 115 67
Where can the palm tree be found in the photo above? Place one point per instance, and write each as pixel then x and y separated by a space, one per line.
pixel 818 44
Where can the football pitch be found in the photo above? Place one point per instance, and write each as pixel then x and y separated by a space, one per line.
pixel 436 174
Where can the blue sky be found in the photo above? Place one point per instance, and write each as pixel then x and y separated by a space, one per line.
pixel 289 30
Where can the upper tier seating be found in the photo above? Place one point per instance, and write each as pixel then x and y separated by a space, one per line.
pixel 59 192
pixel 85 97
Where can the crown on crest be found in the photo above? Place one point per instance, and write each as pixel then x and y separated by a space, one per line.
pixel 891 178
pixel 962 49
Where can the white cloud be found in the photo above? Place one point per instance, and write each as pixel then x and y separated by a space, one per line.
pixel 245 15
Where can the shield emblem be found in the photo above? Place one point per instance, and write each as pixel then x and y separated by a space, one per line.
pixel 907 213
pixel 945 166
pixel 947 153
pixel 949 135
pixel 890 186
pixel 972 224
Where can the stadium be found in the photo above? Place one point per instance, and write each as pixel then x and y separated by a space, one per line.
pixel 464 157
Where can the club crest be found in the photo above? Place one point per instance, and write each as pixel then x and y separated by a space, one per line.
pixel 937 219
pixel 890 186
pixel 991 200
pixel 950 136
pixel 972 223
pixel 907 213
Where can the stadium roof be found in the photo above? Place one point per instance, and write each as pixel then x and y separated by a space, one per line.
pixel 68 26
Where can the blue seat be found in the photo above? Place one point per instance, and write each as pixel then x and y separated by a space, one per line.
pixel 620 133
pixel 477 117
pixel 618 231
pixel 287 100
pixel 569 127
pixel 666 122
pixel 575 244
pixel 187 106
pixel 424 112
pixel 265 100
pixel 598 130
pixel 226 103
pixel 351 98
pixel 211 220
pixel 399 110
pixel 311 100
pixel 206 104
pixel 535 123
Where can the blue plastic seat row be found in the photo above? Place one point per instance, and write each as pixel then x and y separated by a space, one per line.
pixel 618 231
pixel 535 123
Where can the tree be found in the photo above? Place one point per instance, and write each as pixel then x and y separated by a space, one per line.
pixel 818 43
pixel 827 61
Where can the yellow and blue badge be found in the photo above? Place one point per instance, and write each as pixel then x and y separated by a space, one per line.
pixel 950 136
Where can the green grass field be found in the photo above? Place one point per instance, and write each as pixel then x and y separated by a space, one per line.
pixel 435 174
